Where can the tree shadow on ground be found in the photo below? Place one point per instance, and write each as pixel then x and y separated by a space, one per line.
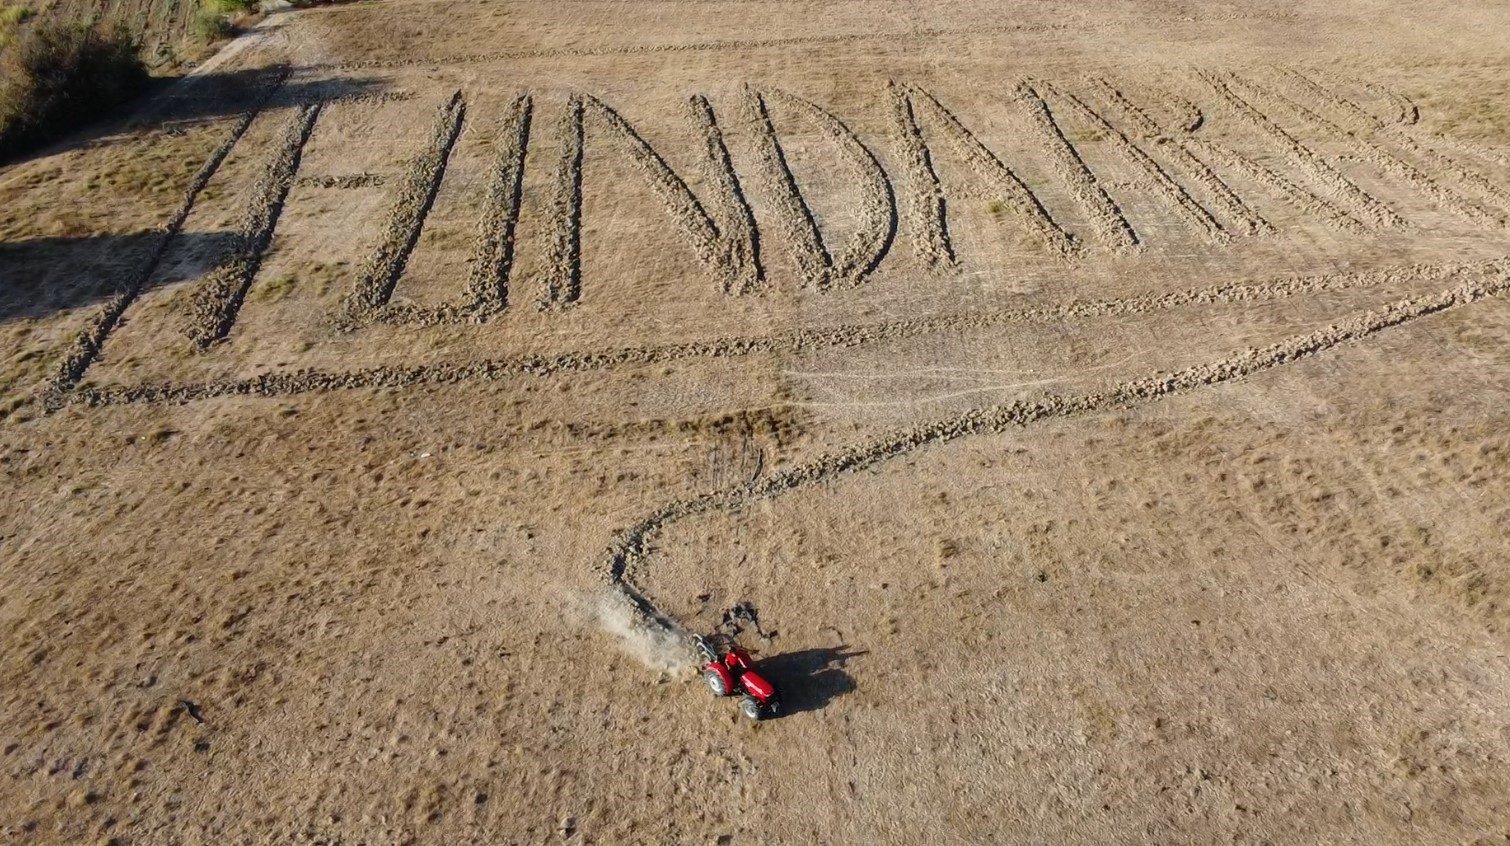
pixel 810 678
pixel 41 276
pixel 180 103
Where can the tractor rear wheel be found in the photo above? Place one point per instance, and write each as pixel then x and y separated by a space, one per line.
pixel 715 683
pixel 750 708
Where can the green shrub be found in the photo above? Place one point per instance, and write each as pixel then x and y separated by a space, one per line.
pixel 213 19
pixel 210 25
pixel 232 7
pixel 59 76
pixel 13 15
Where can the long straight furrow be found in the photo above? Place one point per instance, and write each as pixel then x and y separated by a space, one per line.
pixel 561 279
pixel 493 258
pixel 91 339
pixel 630 550
pixel 1302 200
pixel 1106 217
pixel 1493 192
pixel 1372 211
pixel 878 203
pixel 1238 213
pixel 1330 98
pixel 739 236
pixel 406 217
pixel 794 218
pixel 1370 152
pixel 991 170
pixel 218 299
pixel 1185 206
pixel 784 343
pixel 926 210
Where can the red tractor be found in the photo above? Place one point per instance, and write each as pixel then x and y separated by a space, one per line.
pixel 729 671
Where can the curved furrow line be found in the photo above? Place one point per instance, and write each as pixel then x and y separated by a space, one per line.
pixel 878 203
pixel 631 548
pixel 792 342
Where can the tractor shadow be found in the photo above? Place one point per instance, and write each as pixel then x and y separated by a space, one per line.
pixel 810 678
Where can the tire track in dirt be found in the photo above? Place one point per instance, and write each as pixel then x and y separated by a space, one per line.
pixel 736 221
pixel 1366 150
pixel 1111 225
pixel 1239 213
pixel 487 290
pixel 791 342
pixel 562 277
pixel 990 169
pixel 1185 206
pixel 926 207
pixel 217 300
pixel 1307 160
pixel 91 339
pixel 630 550
pixel 406 218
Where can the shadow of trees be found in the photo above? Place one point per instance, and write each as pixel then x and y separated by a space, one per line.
pixel 809 679
pixel 186 101
pixel 41 276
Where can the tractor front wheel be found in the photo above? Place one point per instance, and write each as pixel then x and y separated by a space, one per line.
pixel 715 683
pixel 750 708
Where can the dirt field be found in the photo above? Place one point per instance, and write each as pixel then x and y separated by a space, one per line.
pixel 1105 403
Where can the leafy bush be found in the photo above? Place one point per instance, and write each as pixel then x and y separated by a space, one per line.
pixel 232 7
pixel 210 24
pixel 13 15
pixel 213 20
pixel 61 75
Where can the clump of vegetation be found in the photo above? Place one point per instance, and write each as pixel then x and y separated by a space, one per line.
pixel 59 75
pixel 210 25
pixel 216 19
pixel 12 16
